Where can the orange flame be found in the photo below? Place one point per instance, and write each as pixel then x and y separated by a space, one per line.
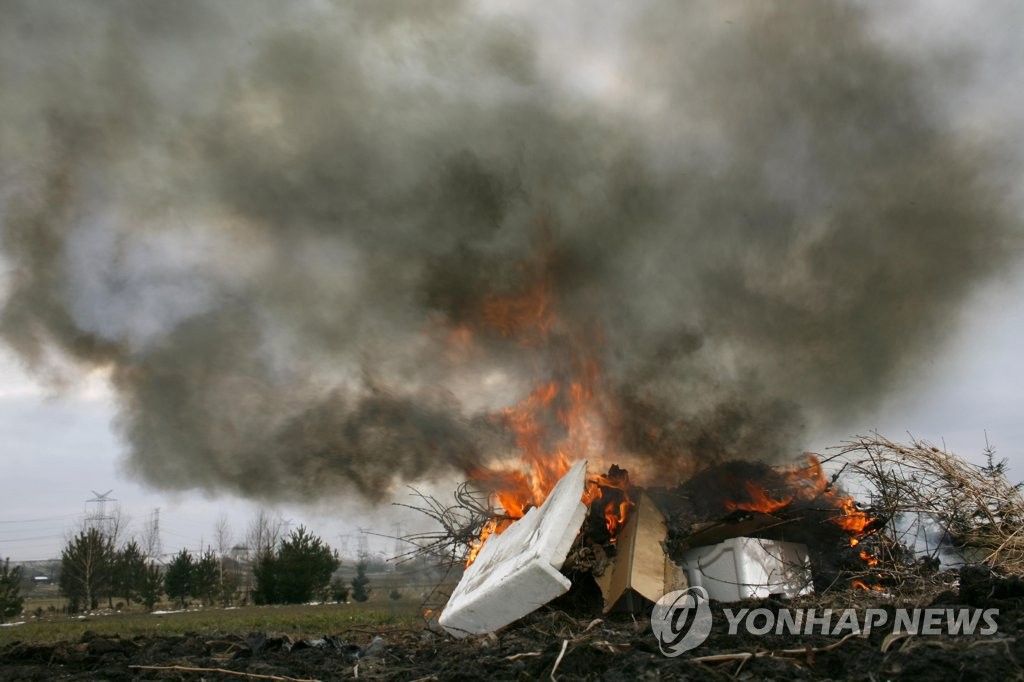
pixel 559 423
pixel 760 501
pixel 493 526
pixel 528 316
pixel 807 483
pixel 860 585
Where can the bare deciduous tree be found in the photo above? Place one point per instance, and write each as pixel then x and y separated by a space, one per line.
pixel 149 539
pixel 264 533
pixel 222 536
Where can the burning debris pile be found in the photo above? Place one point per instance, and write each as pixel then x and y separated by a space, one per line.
pixel 641 544
pixel 534 522
pixel 741 530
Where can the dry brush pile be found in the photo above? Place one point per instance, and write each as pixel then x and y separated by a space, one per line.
pixel 936 506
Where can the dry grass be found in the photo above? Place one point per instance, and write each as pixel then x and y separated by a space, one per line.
pixel 973 509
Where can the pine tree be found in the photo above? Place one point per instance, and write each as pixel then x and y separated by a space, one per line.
pixel 10 590
pixel 265 574
pixel 86 569
pixel 297 572
pixel 151 586
pixel 129 567
pixel 361 583
pixel 206 578
pixel 179 577
pixel 306 565
pixel 339 590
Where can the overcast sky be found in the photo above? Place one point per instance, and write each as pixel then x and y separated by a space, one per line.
pixel 60 444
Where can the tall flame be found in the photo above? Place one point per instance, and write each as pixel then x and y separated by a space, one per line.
pixel 560 421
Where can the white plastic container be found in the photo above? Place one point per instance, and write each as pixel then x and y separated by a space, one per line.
pixel 518 571
pixel 744 568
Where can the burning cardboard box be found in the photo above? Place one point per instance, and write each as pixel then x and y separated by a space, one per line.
pixel 640 566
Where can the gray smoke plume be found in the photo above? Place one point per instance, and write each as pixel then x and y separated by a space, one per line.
pixel 269 221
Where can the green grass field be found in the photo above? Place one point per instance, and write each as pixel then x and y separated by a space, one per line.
pixel 295 620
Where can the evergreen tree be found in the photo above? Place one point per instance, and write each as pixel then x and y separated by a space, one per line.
pixel 86 569
pixel 206 578
pixel 305 565
pixel 151 586
pixel 299 571
pixel 361 583
pixel 179 577
pixel 339 590
pixel 128 573
pixel 265 574
pixel 10 590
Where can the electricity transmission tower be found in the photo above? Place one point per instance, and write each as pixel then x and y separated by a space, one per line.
pixel 343 539
pixel 364 543
pixel 96 515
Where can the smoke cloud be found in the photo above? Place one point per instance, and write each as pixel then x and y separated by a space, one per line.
pixel 278 226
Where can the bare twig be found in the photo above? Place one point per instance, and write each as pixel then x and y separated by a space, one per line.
pixel 558 661
pixel 222 671
pixel 780 653
pixel 525 654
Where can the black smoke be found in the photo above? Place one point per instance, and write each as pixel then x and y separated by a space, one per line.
pixel 265 221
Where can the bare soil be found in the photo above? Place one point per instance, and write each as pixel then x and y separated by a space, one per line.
pixel 618 647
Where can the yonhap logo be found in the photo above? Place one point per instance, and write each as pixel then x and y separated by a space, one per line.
pixel 681 620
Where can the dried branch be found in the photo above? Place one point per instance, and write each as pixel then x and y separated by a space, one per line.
pixel 459 524
pixel 222 671
pixel 934 499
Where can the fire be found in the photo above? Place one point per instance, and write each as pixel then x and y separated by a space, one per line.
pixel 807 483
pixel 527 483
pixel 615 487
pixel 492 526
pixel 760 500
pixel 860 585
pixel 529 316
pixel 869 559
pixel 569 417
pixel 560 421
pixel 853 520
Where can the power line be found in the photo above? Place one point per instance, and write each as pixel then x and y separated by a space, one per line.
pixel 45 518
pixel 31 530
pixel 41 537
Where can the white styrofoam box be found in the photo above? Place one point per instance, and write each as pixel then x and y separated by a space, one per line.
pixel 518 571
pixel 743 568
